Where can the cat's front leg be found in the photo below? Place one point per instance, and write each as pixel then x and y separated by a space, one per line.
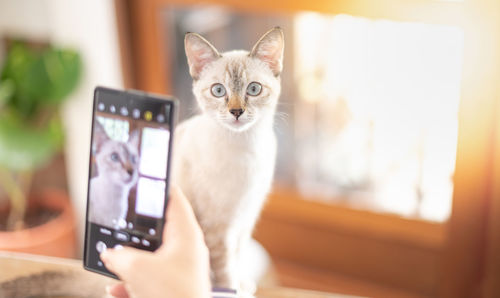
pixel 246 286
pixel 223 261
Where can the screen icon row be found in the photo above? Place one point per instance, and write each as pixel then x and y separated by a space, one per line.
pixel 136 113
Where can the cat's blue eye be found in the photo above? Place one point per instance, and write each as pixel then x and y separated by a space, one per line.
pixel 132 159
pixel 115 157
pixel 218 90
pixel 254 89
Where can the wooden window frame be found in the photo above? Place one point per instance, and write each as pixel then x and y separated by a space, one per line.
pixel 454 259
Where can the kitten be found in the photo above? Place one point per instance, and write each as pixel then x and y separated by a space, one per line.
pixel 117 164
pixel 225 156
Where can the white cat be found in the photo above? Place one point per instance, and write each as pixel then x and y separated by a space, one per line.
pixel 224 157
pixel 117 172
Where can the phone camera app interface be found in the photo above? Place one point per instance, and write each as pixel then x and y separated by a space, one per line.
pixel 128 174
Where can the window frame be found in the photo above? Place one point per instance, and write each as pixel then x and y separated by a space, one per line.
pixel 452 259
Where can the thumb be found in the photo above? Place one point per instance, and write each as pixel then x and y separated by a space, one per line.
pixel 123 262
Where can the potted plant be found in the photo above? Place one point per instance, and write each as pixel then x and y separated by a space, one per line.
pixel 34 82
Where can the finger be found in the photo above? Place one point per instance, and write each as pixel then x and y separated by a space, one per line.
pixel 180 220
pixel 117 291
pixel 123 261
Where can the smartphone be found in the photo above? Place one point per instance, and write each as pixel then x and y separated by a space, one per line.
pixel 129 165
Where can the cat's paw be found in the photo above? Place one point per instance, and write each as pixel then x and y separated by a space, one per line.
pixel 247 289
pixel 243 294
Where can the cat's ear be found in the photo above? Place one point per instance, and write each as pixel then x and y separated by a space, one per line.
pixel 100 135
pixel 199 53
pixel 133 139
pixel 270 49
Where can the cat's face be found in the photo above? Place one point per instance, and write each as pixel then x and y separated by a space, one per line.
pixel 119 161
pixel 236 88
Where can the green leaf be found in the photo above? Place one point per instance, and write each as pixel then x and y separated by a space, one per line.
pixel 63 68
pixel 17 64
pixel 18 61
pixel 23 147
pixel 7 88
pixel 33 82
pixel 41 77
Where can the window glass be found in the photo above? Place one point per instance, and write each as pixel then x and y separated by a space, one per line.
pixel 368 111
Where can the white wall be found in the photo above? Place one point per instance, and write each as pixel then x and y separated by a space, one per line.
pixel 23 18
pixel 90 27
pixel 27 18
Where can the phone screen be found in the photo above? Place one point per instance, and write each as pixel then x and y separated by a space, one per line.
pixel 128 172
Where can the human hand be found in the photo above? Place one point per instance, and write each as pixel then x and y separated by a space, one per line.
pixel 178 268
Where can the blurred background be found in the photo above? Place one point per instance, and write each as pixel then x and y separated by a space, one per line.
pixel 388 175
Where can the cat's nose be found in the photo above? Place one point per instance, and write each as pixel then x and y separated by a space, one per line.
pixel 130 171
pixel 236 112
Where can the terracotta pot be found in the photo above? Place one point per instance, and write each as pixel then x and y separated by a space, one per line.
pixel 57 237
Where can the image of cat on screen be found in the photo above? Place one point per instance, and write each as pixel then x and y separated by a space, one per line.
pixel 116 163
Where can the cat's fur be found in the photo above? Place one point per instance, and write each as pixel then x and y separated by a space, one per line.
pixel 109 190
pixel 225 163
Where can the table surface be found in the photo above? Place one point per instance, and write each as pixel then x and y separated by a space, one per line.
pixel 14 266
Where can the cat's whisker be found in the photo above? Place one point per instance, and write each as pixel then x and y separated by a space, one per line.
pixel 286 104
pixel 282 114
pixel 283 117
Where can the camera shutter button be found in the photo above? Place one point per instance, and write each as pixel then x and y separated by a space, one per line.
pixel 100 246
